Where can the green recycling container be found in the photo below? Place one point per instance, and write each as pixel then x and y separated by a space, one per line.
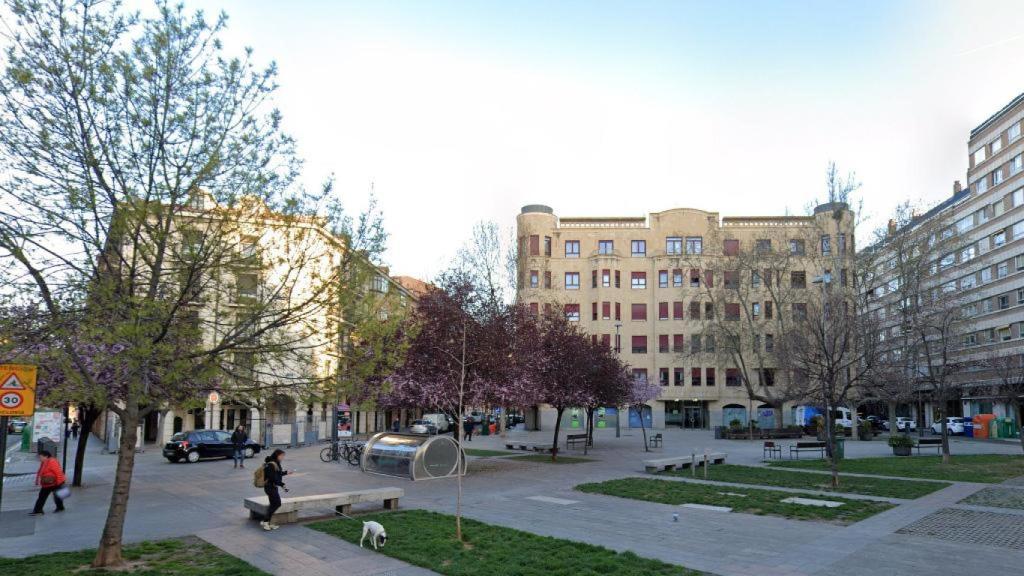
pixel 840 451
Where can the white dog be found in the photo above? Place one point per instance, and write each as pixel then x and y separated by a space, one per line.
pixel 376 532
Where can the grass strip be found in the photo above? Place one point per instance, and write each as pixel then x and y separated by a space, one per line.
pixel 762 476
pixel 990 468
pixel 188 556
pixel 749 500
pixel 427 539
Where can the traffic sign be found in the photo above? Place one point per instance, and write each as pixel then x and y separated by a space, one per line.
pixel 17 389
pixel 214 398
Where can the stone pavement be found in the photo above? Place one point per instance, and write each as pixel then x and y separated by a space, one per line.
pixel 299 550
pixel 178 499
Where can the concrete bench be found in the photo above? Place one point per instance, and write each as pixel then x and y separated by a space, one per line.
pixel 340 501
pixel 680 462
pixel 929 443
pixel 518 446
pixel 545 448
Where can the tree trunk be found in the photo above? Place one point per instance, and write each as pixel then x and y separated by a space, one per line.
pixel 830 439
pixel 779 422
pixel 89 416
pixel 108 555
pixel 643 429
pixel 1020 421
pixel 892 418
pixel 558 424
pixel 945 434
pixel 502 417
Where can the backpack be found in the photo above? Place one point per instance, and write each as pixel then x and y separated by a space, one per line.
pixel 259 477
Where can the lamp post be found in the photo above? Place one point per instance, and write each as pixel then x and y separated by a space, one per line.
pixel 618 410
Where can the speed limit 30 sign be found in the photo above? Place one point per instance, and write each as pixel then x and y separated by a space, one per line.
pixel 17 389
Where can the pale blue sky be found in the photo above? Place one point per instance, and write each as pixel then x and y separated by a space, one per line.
pixel 464 111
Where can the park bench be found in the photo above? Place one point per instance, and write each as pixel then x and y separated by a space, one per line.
pixel 574 439
pixel 771 449
pixel 680 462
pixel 340 501
pixel 655 441
pixel 806 447
pixel 929 443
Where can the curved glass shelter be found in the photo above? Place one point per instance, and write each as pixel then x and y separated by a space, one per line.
pixel 411 456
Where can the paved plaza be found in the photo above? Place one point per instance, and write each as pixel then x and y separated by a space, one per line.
pixel 933 535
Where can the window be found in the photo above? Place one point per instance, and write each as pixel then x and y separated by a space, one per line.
pixel 606 278
pixel 1013 132
pixel 982 184
pixel 710 377
pixel 768 310
pixel 534 308
pixel 662 310
pixel 709 278
pixel 763 246
pixel 732 311
pixel 797 248
pixel 1017 196
pixel 1004 301
pixel 605 247
pixel 1016 164
pixel 826 244
pixel 986 306
pixel 618 311
pixel 997 145
pixel 755 310
pixel 841 239
pixel 979 155
pixel 638 312
pixel 694 278
pixel 593 311
pixel 986 275
pixel 678 343
pixel 547 308
pixel 732 377
pixel 663 376
pixel 677 277
pixel 1002 269
pixel 662 278
pixel 709 311
pixel 534 245
pixel 673 245
pixel 547 279
pixel 694 245
pixel 947 261
pixel 677 310
pixel 967 282
pixel 638 280
pixel 547 245
pixel 695 346
pixel 967 254
pixel 1018 261
pixel 798 279
pixel 678 374
pixel 606 310
pixel 731 279
pixel 695 310
pixel 755 279
pixel 663 343
pixel 1004 334
pixel 572 280
pixel 695 376
pixel 997 176
pixel 709 343
pixel 799 311
pixel 534 279
pixel 246 286
pixel 639 345
pixel 638 248
pixel 640 374
pixel 572 248
pixel 618 279
pixel 769 343
pixel 970 339
pixel 1020 295
pixel 843 277
pixel 606 340
pixel 999 239
pixel 572 312
pixel 731 247
pixel 767 377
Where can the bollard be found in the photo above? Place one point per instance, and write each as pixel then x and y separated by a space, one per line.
pixel 705 463
pixel 693 463
pixel 675 517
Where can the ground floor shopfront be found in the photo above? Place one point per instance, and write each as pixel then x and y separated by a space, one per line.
pixel 659 414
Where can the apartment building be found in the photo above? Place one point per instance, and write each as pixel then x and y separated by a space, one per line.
pixel 982 229
pixel 655 287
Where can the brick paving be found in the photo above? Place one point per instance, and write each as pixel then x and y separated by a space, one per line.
pixel 971 527
pixel 997 498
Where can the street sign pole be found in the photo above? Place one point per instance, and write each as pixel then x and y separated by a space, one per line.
pixel 3 456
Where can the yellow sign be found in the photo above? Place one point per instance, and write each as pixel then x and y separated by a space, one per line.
pixel 17 389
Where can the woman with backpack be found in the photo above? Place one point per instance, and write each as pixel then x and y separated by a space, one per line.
pixel 273 478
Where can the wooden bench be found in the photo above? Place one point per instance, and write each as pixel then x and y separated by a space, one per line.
pixel 655 441
pixel 929 443
pixel 340 501
pixel 574 439
pixel 680 462
pixel 806 447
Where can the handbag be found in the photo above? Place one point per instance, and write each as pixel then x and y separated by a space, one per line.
pixel 63 492
pixel 48 480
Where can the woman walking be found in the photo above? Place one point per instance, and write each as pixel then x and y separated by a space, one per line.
pixel 273 475
pixel 50 479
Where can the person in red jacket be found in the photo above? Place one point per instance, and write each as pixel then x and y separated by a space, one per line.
pixel 50 478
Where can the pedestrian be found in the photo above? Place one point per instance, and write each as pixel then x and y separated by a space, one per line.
pixel 75 426
pixel 50 478
pixel 273 475
pixel 238 440
pixel 467 429
pixel 396 425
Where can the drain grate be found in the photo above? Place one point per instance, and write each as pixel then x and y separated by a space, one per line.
pixel 972 527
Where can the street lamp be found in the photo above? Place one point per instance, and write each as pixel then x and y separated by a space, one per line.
pixel 618 410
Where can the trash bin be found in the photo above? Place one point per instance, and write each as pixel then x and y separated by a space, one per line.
pixel 840 450
pixel 968 428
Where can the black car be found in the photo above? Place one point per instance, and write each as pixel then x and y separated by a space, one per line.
pixel 191 446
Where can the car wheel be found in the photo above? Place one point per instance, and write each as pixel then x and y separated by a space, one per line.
pixel 193 457
pixel 249 452
pixel 174 460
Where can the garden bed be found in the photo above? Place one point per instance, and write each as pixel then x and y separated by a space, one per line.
pixel 991 468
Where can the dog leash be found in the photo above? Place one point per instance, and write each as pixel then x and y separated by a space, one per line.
pixel 339 513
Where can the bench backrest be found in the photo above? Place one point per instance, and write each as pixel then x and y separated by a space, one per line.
pixel 576 436
pixel 810 444
pixel 933 441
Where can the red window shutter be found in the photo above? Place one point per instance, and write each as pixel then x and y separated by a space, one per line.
pixel 662 310
pixel 709 278
pixel 711 377
pixel 732 311
pixel 677 310
pixel 731 247
pixel 593 339
pixel 534 308
pixel 547 308
pixel 593 278
pixel 618 311
pixel 677 342
pixel 547 279
pixel 534 245
pixel 695 310
pixel 662 342
pixel 593 310
pixel 640 343
pixel 606 310
pixel 618 279
pixel 639 312
pixel 694 275
pixel 606 339
pixel 695 376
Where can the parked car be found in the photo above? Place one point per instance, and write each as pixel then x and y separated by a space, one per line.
pixel 16 426
pixel 191 446
pixel 954 424
pixel 423 427
pixel 877 422
pixel 903 424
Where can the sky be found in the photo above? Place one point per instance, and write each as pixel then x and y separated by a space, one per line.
pixel 460 112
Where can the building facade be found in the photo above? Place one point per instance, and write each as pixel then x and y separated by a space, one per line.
pixel 660 289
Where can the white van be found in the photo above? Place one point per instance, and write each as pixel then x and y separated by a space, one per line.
pixel 442 421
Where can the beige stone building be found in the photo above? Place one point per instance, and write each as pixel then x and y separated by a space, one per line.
pixel 658 287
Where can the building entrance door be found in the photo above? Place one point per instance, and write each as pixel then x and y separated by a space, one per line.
pixel 694 415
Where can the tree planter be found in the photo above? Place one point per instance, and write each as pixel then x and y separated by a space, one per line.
pixel 901 450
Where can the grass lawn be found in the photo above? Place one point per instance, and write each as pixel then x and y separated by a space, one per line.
pixel 964 467
pixel 427 539
pixel 180 556
pixel 547 458
pixel 482 452
pixel 790 479
pixel 749 500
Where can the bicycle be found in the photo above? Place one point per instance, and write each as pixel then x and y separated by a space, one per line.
pixel 351 452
